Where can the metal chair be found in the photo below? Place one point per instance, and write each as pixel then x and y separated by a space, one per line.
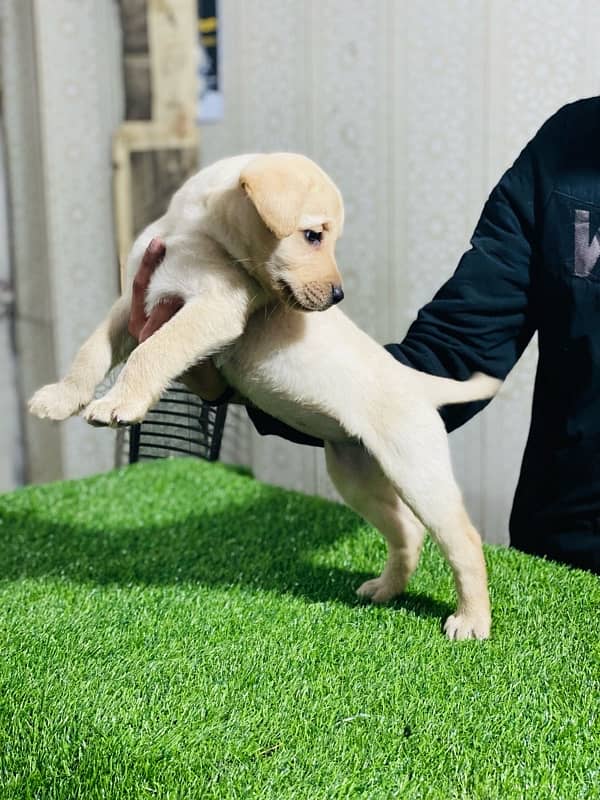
pixel 181 424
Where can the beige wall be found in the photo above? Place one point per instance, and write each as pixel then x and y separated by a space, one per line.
pixel 416 109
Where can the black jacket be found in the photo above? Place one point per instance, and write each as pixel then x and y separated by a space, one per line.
pixel 534 265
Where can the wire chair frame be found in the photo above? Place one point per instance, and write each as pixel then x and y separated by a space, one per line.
pixel 181 424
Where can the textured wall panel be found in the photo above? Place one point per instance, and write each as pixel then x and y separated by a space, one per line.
pixel 416 110
pixel 349 90
pixel 439 124
pixel 79 73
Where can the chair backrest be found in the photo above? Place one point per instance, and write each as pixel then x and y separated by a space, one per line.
pixel 181 424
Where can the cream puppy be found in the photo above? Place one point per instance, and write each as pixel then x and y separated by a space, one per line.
pixel 250 248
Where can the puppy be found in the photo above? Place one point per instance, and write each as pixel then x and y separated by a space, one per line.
pixel 250 248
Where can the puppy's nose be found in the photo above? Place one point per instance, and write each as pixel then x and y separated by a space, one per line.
pixel 337 294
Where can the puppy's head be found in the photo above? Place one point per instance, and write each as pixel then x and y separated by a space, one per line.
pixel 302 210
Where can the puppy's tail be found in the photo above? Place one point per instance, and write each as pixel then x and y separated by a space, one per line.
pixel 445 391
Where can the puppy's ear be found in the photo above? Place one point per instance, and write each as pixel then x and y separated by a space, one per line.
pixel 278 187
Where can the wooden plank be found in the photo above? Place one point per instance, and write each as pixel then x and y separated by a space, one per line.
pixel 156 149
pixel 145 177
pixel 172 35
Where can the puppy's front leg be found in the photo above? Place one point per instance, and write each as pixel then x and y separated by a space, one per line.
pixel 201 328
pixel 108 345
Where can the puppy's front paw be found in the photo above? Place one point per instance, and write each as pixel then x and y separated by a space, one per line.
pixel 468 626
pixel 381 589
pixel 57 401
pixel 114 410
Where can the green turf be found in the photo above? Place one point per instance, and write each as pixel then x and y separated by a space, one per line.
pixel 177 630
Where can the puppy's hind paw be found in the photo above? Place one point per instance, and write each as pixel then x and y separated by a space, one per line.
pixel 381 589
pixel 466 626
pixel 57 401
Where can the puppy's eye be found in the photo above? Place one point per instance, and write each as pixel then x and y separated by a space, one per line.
pixel 313 237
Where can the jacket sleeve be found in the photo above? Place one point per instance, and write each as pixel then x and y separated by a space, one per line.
pixel 267 425
pixel 483 317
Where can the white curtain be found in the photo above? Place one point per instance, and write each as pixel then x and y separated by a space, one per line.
pixel 11 453
pixel 61 73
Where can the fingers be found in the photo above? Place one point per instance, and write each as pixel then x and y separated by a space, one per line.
pixel 155 252
pixel 160 314
pixel 203 379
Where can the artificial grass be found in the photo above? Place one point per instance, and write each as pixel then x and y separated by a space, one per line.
pixel 177 630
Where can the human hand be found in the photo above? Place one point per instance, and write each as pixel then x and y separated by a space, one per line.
pixel 202 379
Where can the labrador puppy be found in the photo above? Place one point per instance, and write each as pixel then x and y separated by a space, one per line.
pixel 250 248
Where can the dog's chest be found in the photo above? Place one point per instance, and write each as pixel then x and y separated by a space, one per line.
pixel 274 366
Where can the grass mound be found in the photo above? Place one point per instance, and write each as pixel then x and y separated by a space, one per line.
pixel 177 630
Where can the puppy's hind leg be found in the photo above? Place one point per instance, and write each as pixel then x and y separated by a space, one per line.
pixel 108 345
pixel 414 454
pixel 364 487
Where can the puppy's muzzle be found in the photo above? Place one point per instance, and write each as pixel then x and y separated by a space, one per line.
pixel 312 296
